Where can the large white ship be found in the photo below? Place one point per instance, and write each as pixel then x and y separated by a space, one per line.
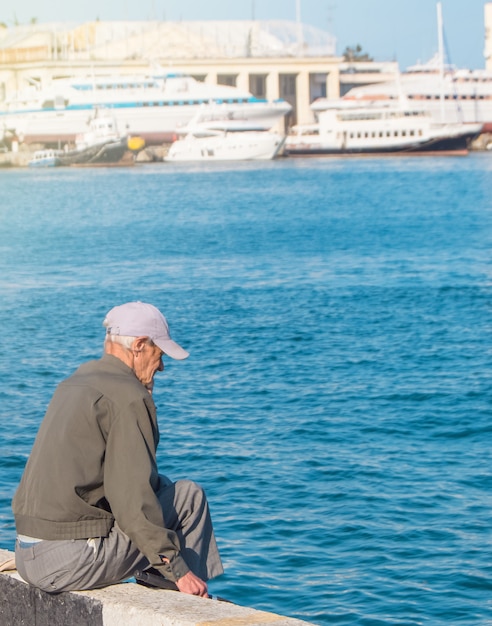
pixel 378 128
pixel 152 107
pixel 450 96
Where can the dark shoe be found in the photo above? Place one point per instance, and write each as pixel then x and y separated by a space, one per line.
pixel 152 578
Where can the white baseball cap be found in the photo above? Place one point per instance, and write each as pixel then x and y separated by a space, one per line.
pixel 139 319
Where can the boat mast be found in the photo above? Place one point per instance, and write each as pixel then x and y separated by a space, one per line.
pixel 440 36
pixel 300 42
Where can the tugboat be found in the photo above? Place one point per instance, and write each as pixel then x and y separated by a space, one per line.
pixel 101 144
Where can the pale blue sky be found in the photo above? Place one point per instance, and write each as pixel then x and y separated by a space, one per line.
pixel 401 30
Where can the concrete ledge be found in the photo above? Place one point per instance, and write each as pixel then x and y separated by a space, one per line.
pixel 125 604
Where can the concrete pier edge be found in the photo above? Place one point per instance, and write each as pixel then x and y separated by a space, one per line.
pixel 126 604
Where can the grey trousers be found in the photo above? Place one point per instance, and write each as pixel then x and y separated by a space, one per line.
pixel 78 564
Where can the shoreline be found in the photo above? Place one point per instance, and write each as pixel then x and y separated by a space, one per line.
pixel 156 154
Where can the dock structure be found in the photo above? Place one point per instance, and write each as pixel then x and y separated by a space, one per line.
pixel 126 604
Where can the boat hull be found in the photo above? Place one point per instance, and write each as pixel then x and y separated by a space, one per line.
pixel 154 124
pixel 102 153
pixel 236 146
pixel 445 145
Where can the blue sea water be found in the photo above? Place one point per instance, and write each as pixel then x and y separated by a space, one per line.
pixel 337 402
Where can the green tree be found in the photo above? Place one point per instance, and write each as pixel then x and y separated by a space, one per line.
pixel 355 54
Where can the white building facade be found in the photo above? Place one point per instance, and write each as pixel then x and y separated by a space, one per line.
pixel 279 59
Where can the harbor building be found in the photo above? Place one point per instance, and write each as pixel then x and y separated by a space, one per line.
pixel 272 59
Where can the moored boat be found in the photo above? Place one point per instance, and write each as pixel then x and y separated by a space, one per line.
pixel 48 157
pixel 448 94
pixel 226 145
pixel 378 128
pixel 101 144
pixel 210 136
pixel 458 96
pixel 152 106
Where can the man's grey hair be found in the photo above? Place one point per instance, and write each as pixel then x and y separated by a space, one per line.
pixel 124 340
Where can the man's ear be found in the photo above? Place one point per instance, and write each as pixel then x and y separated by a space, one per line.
pixel 139 343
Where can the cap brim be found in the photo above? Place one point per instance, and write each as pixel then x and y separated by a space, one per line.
pixel 172 349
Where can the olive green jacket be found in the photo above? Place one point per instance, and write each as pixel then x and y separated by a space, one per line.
pixel 93 462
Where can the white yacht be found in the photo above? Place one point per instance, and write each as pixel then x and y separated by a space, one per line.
pixel 151 107
pixel 449 95
pixel 378 128
pixel 455 96
pixel 208 137
pixel 223 145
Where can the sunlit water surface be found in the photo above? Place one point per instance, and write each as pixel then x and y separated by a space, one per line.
pixel 337 402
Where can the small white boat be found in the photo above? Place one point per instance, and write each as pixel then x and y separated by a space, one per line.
pixel 46 158
pixel 208 144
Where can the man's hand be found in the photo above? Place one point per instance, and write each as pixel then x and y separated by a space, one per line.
pixel 189 583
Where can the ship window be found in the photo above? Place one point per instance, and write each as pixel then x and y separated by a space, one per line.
pixel 403 133
pixel 412 133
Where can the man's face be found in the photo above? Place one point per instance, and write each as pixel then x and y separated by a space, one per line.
pixel 147 363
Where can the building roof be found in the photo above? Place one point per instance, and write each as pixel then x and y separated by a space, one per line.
pixel 173 40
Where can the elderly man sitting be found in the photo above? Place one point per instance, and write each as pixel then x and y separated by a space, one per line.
pixel 91 507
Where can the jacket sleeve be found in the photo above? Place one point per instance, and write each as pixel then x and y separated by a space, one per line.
pixel 130 471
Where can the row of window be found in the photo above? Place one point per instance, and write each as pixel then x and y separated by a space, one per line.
pixel 472 79
pixel 257 84
pixel 378 115
pixel 451 97
pixel 112 86
pixel 387 133
pixel 60 103
pixel 195 102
